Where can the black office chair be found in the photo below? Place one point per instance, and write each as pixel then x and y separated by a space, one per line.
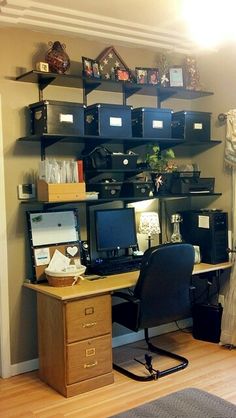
pixel 161 295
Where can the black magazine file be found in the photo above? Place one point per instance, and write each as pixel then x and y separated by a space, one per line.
pixel 50 231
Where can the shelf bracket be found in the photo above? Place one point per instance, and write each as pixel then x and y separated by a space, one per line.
pixel 42 84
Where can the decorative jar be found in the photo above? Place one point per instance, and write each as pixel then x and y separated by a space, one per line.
pixel 57 58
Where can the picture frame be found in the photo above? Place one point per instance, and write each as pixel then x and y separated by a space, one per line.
pixel 96 69
pixel 176 77
pixel 141 75
pixel 91 68
pixel 153 76
pixel 122 75
pixel 87 67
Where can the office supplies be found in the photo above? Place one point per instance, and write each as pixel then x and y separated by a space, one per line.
pixel 49 233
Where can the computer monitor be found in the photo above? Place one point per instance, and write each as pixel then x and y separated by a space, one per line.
pixel 115 229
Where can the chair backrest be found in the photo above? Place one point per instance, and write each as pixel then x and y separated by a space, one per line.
pixel 163 285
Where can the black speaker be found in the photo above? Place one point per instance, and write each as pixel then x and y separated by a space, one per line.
pixel 209 230
pixel 85 253
pixel 207 322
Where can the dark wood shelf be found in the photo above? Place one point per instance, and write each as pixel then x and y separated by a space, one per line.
pixel 49 139
pixel 128 88
pixel 125 199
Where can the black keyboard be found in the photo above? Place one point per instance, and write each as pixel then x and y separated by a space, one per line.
pixel 124 266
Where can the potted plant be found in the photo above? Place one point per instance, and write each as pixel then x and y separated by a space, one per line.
pixel 162 163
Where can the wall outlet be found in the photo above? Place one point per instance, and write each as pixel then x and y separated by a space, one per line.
pixel 221 300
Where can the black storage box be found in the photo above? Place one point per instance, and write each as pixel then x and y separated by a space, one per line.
pixel 191 126
pixel 151 122
pixel 102 158
pixel 121 161
pixel 207 322
pixel 108 120
pixel 137 189
pixel 105 189
pixel 58 118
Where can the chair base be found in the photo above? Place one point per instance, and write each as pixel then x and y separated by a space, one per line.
pixel 154 374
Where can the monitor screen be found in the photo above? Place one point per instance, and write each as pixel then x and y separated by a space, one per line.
pixel 115 229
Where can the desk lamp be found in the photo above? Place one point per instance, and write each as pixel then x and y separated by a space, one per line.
pixel 149 224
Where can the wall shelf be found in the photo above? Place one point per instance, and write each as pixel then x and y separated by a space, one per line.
pixel 127 88
pixel 49 139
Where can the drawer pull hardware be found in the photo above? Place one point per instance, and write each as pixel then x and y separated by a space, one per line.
pixel 89 324
pixel 88 365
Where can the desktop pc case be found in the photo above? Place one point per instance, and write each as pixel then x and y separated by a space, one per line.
pixel 207 322
pixel 208 230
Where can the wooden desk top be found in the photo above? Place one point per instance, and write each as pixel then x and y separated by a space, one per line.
pixel 108 284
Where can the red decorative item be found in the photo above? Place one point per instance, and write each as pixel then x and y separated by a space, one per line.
pixel 57 58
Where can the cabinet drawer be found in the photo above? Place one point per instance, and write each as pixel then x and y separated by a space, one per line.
pixel 88 318
pixel 89 358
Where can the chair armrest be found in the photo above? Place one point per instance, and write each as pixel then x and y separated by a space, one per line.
pixel 126 296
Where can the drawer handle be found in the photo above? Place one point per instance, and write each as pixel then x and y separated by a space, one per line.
pixel 88 365
pixel 89 324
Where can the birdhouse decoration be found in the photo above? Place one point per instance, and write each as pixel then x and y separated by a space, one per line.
pixel 109 62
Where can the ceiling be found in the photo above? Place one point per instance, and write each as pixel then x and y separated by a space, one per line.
pixel 152 24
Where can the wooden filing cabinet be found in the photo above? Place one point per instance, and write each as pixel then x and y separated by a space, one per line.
pixel 75 343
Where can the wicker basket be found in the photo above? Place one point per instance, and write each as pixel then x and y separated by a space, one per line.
pixel 60 279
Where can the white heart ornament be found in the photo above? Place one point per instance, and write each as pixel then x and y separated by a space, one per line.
pixel 72 251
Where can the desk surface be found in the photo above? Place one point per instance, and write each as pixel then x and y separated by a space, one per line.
pixel 108 284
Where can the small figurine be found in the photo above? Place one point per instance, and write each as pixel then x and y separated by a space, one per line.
pixel 163 66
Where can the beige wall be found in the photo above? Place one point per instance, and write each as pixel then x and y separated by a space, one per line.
pixel 19 50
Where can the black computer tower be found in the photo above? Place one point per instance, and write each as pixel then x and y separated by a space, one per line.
pixel 208 230
pixel 207 322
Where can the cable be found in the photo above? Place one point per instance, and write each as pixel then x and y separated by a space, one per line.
pixel 182 329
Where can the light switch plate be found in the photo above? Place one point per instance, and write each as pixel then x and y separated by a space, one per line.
pixel 26 191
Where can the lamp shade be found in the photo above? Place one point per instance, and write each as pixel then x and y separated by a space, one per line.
pixel 149 223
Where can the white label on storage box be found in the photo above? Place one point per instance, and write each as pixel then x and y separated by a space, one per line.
pixel 157 124
pixel 204 221
pixel 197 126
pixel 66 118
pixel 115 121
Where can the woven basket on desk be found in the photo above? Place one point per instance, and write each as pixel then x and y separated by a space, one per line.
pixel 60 279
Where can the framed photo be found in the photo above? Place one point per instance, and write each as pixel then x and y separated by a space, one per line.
pixel 122 75
pixel 87 67
pixel 176 77
pixel 96 69
pixel 141 75
pixel 153 76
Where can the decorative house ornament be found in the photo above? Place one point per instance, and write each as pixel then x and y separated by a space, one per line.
pixel 191 74
pixel 57 58
pixel 109 61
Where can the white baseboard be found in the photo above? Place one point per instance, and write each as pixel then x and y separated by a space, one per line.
pixel 28 366
pixel 153 332
pixel 24 367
